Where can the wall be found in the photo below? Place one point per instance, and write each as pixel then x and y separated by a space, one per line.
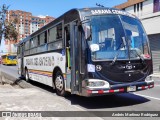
pixel 152 24
pixel 147 7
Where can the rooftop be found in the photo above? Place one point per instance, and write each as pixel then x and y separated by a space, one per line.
pixel 128 4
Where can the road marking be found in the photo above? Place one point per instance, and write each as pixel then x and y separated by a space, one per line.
pixel 147 96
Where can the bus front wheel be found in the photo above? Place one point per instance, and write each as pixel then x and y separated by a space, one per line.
pixel 59 84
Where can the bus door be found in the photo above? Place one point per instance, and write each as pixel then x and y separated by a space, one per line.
pixel 74 58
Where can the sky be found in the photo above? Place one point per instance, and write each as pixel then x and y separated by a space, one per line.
pixel 53 8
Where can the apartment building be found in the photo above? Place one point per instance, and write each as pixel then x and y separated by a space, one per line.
pixel 27 24
pixel 148 12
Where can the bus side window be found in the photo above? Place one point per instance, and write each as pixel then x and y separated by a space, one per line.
pixel 45 37
pixel 67 36
pixel 59 31
pixel 38 40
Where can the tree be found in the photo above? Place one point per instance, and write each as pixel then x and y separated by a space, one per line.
pixel 7 28
pixel 3 11
pixel 10 33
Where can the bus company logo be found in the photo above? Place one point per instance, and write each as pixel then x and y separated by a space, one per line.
pixel 105 11
pixel 98 67
pixel 129 66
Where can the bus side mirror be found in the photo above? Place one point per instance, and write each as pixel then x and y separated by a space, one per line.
pixel 88 33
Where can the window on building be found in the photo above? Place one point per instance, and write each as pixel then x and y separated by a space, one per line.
pixel 135 8
pixel 156 7
pixel 141 5
pixel 138 7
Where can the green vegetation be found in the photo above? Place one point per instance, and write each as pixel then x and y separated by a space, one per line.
pixel 7 28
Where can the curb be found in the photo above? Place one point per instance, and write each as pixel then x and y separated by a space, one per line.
pixel 155 75
pixel 9 79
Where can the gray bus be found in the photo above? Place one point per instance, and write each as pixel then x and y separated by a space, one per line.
pixel 89 52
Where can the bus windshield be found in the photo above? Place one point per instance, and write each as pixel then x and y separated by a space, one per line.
pixel 117 35
pixel 11 57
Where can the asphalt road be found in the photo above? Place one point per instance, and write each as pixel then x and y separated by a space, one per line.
pixel 147 100
pixel 12 70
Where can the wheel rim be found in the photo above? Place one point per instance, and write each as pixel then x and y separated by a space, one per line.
pixel 59 82
pixel 26 75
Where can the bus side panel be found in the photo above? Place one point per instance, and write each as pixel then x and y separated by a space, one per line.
pixel 40 67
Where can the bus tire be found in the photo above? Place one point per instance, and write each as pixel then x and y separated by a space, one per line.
pixel 60 84
pixel 26 75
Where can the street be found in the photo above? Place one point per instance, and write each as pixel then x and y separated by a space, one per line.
pixel 147 100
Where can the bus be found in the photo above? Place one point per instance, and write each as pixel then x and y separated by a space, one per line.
pixel 9 59
pixel 89 52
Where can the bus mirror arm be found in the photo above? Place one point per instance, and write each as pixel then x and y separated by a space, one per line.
pixel 88 34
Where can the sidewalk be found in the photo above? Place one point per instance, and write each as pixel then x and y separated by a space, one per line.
pixel 31 99
pixel 16 98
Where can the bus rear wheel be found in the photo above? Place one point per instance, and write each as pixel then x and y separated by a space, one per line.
pixel 60 84
pixel 26 75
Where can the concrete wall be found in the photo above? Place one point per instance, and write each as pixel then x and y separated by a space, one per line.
pixel 152 25
pixel 130 9
pixel 150 20
pixel 147 7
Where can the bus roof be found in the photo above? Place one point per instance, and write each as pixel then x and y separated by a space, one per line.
pixel 80 13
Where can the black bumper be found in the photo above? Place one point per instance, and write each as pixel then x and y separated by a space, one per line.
pixel 119 88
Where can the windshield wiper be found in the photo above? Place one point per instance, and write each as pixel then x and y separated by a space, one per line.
pixel 116 56
pixel 141 58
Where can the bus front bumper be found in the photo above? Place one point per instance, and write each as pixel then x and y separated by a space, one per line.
pixel 118 88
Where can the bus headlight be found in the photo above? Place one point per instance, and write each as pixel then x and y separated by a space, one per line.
pixel 149 79
pixel 95 83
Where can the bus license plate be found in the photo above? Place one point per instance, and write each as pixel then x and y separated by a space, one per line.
pixel 131 88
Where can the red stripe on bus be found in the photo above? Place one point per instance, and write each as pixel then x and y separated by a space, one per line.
pixel 111 91
pixel 100 91
pixel 89 91
pixel 143 87
pixel 121 90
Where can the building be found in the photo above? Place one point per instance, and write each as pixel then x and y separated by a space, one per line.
pixel 149 13
pixel 38 22
pixel 27 24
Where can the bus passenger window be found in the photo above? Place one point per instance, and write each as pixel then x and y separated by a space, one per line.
pixel 38 40
pixel 45 39
pixel 59 31
pixel 67 36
